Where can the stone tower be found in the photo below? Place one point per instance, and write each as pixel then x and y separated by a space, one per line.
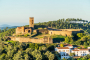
pixel 31 22
pixel 23 29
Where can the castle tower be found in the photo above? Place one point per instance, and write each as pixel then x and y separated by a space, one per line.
pixel 23 29
pixel 31 22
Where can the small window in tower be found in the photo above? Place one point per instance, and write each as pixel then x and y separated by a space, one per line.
pixel 51 33
pixel 32 21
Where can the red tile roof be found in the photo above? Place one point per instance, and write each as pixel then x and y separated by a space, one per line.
pixel 83 49
pixel 62 47
pixel 75 50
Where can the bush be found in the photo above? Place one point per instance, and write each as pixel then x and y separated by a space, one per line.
pixel 79 47
pixel 26 35
pixel 61 45
pixel 85 47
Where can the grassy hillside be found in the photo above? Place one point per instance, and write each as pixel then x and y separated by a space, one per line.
pixel 12 50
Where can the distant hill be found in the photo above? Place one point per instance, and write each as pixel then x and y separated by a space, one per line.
pixel 6 25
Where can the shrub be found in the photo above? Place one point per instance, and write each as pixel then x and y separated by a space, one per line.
pixel 26 35
pixel 79 47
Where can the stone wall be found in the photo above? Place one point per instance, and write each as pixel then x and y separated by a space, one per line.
pixel 42 31
pixel 23 30
pixel 18 30
pixel 32 40
pixel 63 33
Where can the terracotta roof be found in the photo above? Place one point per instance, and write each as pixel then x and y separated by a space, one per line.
pixel 69 45
pixel 83 49
pixel 62 47
pixel 78 49
pixel 75 50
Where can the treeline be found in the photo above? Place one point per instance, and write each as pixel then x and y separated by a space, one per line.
pixel 7 32
pixel 65 24
pixel 4 30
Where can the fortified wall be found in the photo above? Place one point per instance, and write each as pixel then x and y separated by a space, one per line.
pixel 65 32
pixel 32 40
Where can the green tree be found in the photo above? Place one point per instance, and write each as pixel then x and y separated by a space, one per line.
pixel 49 55
pixel 80 34
pixel 2 57
pixel 27 57
pixel 85 44
pixel 37 55
pixel 84 38
pixel 44 48
pixel 36 46
pixel 31 45
pixel 79 47
pixel 78 42
pixel 61 45
pixel 67 40
pixel 10 54
pixel 18 56
pixel 29 51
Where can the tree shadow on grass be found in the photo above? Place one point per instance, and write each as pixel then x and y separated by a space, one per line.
pixel 58 40
pixel 37 35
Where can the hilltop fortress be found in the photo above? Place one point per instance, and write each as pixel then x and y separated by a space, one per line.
pixel 25 30
pixel 29 30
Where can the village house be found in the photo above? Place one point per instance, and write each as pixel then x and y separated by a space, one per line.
pixel 65 51
pixel 80 52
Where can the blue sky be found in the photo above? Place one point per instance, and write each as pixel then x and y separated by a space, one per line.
pixel 17 12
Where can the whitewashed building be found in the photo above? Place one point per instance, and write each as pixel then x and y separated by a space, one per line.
pixel 81 52
pixel 65 51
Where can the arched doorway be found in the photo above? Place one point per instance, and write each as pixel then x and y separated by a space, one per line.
pixel 28 31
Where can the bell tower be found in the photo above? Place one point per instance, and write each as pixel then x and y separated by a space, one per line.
pixel 31 22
